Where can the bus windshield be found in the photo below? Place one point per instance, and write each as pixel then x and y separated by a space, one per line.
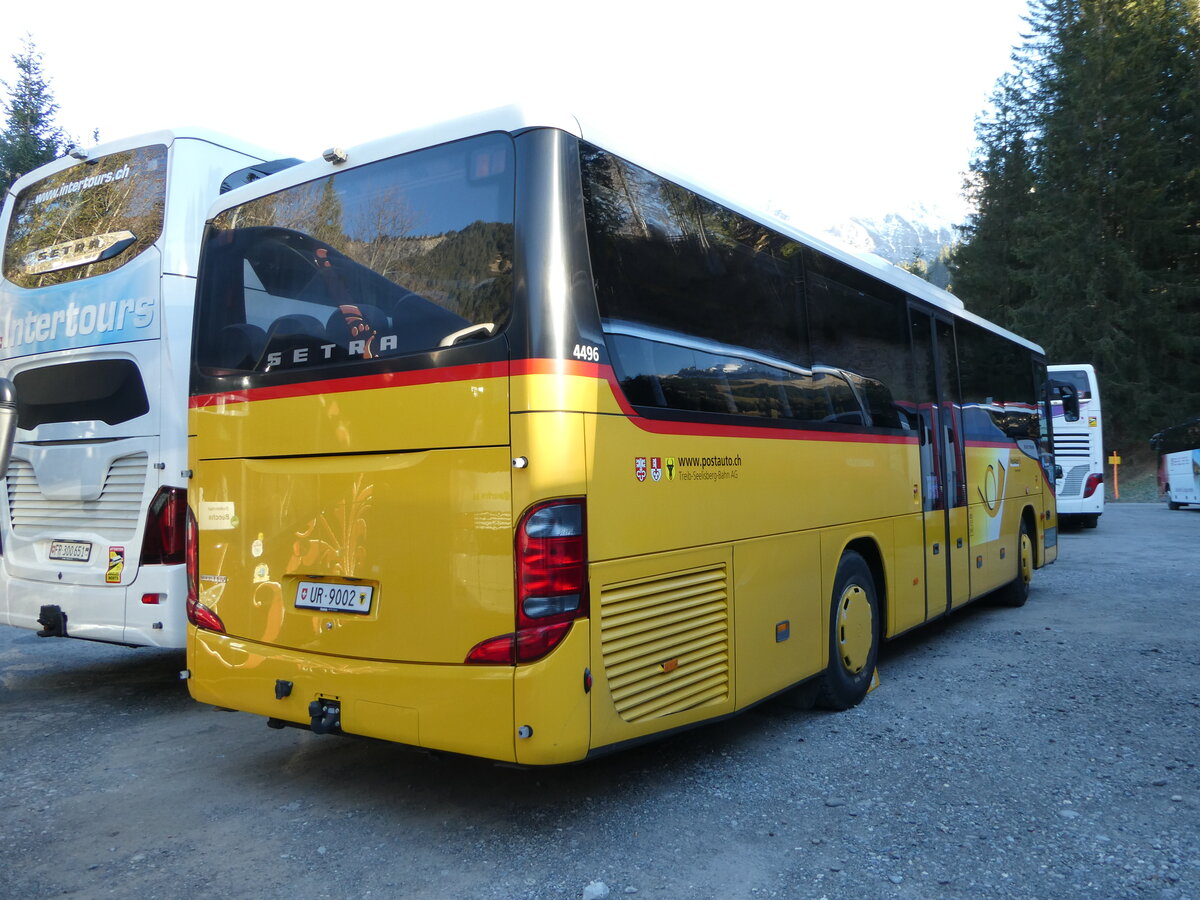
pixel 407 254
pixel 87 220
pixel 1079 378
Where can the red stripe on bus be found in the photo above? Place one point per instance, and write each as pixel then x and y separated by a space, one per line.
pixel 356 383
pixel 541 366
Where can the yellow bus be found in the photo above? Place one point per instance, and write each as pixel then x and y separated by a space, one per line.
pixel 505 441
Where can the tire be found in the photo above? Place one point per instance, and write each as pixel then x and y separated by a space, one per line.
pixel 854 634
pixel 1016 592
pixel 1091 521
pixel 1171 504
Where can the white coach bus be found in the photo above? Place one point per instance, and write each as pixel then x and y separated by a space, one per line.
pixel 1079 448
pixel 100 252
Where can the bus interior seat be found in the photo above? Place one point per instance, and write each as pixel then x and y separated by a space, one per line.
pixel 240 346
pixel 420 324
pixel 296 332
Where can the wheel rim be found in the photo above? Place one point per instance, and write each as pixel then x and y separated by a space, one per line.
pixel 1026 558
pixel 855 629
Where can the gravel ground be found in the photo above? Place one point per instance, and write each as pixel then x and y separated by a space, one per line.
pixel 1048 751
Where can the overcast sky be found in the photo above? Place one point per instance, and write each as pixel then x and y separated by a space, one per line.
pixel 823 110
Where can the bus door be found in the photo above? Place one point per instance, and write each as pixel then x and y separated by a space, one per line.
pixel 943 481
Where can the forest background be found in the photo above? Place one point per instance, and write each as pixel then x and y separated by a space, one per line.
pixel 1085 190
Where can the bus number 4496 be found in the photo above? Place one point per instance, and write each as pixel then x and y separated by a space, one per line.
pixel 587 352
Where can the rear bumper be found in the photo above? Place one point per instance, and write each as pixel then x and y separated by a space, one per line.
pixel 461 709
pixel 113 614
pixel 469 709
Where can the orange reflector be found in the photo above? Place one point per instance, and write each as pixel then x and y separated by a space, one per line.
pixel 670 665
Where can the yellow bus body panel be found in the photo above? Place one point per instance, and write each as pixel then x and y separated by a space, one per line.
pixel 1003 484
pixel 778 613
pixel 428 531
pixel 552 698
pixel 712 556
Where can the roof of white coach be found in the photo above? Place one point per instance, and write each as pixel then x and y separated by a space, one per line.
pixel 518 118
pixel 165 136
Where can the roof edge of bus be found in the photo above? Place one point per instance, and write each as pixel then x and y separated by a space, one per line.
pixel 165 136
pixel 510 119
pixel 515 118
pixel 1064 367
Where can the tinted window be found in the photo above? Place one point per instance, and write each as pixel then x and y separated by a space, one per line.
pixel 403 255
pixel 103 390
pixel 1077 377
pixel 668 258
pixel 704 310
pixel 859 325
pixel 998 387
pixel 88 219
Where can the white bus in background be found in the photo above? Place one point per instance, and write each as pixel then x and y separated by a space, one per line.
pixel 1079 449
pixel 1178 449
pixel 99 264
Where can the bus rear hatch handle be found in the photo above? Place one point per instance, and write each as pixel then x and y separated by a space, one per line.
pixel 483 329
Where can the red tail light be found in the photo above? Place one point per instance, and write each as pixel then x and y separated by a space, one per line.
pixel 551 584
pixel 1093 481
pixel 197 613
pixel 162 544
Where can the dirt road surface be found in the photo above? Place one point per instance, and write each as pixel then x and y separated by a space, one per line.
pixel 1048 751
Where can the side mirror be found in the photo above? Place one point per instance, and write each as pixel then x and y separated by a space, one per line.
pixel 1065 392
pixel 1070 403
pixel 1058 472
pixel 8 421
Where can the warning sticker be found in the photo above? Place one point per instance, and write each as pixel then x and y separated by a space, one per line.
pixel 116 565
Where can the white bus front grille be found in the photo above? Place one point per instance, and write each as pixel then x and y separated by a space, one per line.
pixel 115 514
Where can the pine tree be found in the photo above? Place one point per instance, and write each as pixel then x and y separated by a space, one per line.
pixel 30 137
pixel 987 266
pixel 1086 235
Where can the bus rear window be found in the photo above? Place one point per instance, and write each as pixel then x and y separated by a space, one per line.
pixel 102 390
pixel 88 219
pixel 403 255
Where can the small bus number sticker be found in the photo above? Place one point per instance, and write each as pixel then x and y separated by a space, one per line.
pixel 587 352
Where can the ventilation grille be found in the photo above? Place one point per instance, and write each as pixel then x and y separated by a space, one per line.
pixel 665 642
pixel 1073 482
pixel 115 514
pixel 1072 445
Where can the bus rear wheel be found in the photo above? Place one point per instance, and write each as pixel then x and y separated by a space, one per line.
pixel 854 633
pixel 1016 592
